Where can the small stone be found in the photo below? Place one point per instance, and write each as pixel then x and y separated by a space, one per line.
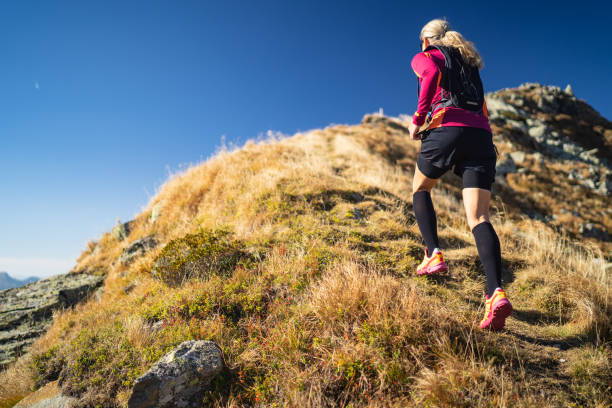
pixel 518 157
pixel 505 166
pixel 569 90
pixel 121 230
pixel 515 124
pixel 538 132
pixel 571 148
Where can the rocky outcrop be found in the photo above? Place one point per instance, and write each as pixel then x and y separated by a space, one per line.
pixel 49 396
pixel 26 312
pixel 180 378
pixel 554 122
pixel 555 158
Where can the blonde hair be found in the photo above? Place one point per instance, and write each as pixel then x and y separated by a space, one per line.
pixel 438 32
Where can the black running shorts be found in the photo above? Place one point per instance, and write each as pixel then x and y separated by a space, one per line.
pixel 469 150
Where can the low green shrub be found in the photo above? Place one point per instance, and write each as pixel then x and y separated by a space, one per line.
pixel 198 256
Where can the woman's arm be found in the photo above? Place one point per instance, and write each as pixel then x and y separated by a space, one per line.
pixel 429 75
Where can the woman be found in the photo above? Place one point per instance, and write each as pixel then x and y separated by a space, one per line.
pixel 457 136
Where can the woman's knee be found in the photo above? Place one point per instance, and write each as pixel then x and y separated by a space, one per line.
pixel 473 221
pixel 416 187
pixel 420 182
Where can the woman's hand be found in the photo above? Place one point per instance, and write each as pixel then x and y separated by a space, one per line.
pixel 414 134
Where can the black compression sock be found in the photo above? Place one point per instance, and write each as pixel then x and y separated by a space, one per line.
pixel 426 219
pixel 489 251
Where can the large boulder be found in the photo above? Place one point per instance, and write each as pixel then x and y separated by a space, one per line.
pixel 26 312
pixel 180 378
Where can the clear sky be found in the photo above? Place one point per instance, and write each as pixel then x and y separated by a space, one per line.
pixel 100 100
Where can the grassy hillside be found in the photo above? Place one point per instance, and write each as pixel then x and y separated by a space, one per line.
pixel 297 256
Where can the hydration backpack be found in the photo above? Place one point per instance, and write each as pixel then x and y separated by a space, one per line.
pixel 461 84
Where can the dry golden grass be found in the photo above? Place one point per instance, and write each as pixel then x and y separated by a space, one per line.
pixel 327 312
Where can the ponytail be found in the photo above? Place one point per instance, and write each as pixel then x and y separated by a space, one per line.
pixel 438 32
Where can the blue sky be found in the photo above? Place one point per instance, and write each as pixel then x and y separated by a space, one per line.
pixel 100 100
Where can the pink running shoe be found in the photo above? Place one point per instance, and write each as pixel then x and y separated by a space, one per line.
pixel 497 309
pixel 432 264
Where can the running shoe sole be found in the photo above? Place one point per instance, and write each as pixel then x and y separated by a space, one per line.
pixel 439 268
pixel 500 312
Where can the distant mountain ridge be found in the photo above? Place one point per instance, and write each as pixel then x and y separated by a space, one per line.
pixel 8 282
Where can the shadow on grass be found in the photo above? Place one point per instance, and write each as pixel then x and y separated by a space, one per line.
pixel 536 317
pixel 562 344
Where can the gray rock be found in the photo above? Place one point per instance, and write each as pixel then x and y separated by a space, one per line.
pixel 569 90
pixel 518 157
pixel 137 248
pixel 571 148
pixel 26 312
pixel 180 378
pixel 538 132
pixel 121 230
pixel 505 166
pixel 515 124
pixel 497 107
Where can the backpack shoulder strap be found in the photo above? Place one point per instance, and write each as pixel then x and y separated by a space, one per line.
pixel 445 52
pixel 447 97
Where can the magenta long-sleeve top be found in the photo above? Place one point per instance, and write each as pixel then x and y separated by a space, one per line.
pixel 428 66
